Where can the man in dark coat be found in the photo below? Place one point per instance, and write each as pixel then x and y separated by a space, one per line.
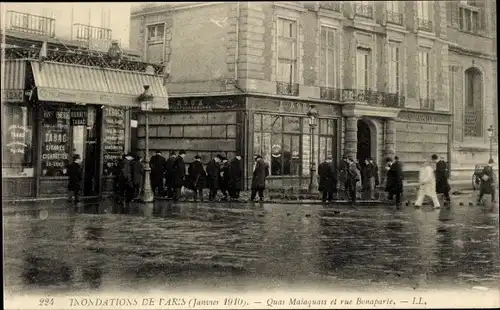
pixel 169 174
pixel 137 176
pixel 224 178
pixel 327 179
pixel 126 180
pixel 352 178
pixel 375 171
pixel 213 176
pixel 235 177
pixel 442 175
pixel 74 172
pixel 487 183
pixel 260 173
pixel 395 178
pixel 368 180
pixel 196 177
pixel 157 165
pixel 179 174
pixel 343 176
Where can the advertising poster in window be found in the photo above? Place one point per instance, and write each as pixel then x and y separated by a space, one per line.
pixel 114 138
pixel 55 149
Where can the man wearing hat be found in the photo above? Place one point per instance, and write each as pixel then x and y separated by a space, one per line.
pixel 213 176
pixel 74 172
pixel 179 174
pixel 126 185
pixel 327 179
pixel 196 177
pixel 157 165
pixel 342 170
pixel 169 174
pixel 260 173
pixel 224 178
pixel 236 177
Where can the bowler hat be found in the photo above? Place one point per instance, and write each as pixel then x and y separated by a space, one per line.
pixel 197 157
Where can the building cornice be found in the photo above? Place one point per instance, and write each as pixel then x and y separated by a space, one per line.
pixel 452 47
pixel 289 6
pixel 170 8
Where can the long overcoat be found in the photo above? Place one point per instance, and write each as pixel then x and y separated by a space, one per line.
pixel 236 174
pixel 224 176
pixel 169 172
pixel 179 170
pixel 487 185
pixel 157 165
pixel 74 171
pixel 327 177
pixel 196 176
pixel 137 173
pixel 213 175
pixel 442 174
pixel 394 183
pixel 260 173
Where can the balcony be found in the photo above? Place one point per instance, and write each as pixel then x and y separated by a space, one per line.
pixel 395 18
pixel 31 24
pixel 330 5
pixel 370 97
pixel 85 32
pixel 287 89
pixel 427 104
pixel 424 24
pixel 364 10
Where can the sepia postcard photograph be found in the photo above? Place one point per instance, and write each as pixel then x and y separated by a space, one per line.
pixel 250 155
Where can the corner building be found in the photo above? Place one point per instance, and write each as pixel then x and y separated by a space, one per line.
pixel 383 75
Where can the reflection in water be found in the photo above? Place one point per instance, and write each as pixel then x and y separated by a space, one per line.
pixel 170 245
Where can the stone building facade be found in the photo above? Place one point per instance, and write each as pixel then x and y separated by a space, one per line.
pixel 385 77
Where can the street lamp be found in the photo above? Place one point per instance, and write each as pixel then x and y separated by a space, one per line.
pixel 313 183
pixel 146 101
pixel 490 135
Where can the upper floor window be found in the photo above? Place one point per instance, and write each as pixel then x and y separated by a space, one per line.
pixel 424 15
pixel 363 66
pixel 468 19
pixel 327 57
pixel 473 114
pixel 364 9
pixel 394 69
pixel 394 12
pixel 287 50
pixel 424 79
pixel 155 32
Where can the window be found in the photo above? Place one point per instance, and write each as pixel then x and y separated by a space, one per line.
pixel 287 51
pixel 394 74
pixel 423 10
pixel 17 141
pixel 155 32
pixel 278 140
pixel 424 75
pixel 55 140
pixel 364 9
pixel 392 6
pixel 394 15
pixel 327 132
pixel 468 20
pixel 327 65
pixel 473 125
pixel 363 63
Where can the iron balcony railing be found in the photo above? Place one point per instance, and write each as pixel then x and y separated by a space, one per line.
pixel 85 32
pixel 364 10
pixel 288 89
pixel 370 97
pixel 425 24
pixel 427 103
pixel 395 18
pixel 32 24
pixel 330 5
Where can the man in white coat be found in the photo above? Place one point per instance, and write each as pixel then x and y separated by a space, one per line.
pixel 427 182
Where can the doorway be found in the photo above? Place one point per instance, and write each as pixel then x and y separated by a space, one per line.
pixel 364 149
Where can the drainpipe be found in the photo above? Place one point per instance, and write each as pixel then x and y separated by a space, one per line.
pixel 237 50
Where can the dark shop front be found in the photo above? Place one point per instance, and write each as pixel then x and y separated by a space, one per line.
pixel 56 110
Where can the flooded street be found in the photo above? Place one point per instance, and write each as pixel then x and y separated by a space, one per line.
pixel 250 246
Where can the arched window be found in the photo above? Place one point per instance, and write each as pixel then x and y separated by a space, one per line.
pixel 473 108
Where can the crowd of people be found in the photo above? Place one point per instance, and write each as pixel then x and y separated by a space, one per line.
pixel 349 180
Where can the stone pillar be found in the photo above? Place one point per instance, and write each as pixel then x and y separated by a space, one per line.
pixel 390 138
pixel 351 137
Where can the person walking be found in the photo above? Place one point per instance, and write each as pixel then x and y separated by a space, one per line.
pixel 487 183
pixel 74 172
pixel 157 165
pixel 260 173
pixel 352 178
pixel 427 185
pixel 126 181
pixel 368 177
pixel 179 175
pixel 394 183
pixel 137 176
pixel 442 174
pixel 213 176
pixel 224 178
pixel 235 177
pixel 196 177
pixel 327 179
pixel 170 175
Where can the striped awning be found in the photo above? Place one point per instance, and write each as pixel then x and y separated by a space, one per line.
pixel 70 83
pixel 13 80
pixel 127 86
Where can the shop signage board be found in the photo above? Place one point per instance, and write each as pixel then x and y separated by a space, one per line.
pixel 78 116
pixel 114 138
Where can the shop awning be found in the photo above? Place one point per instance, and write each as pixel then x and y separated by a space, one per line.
pixel 13 80
pixel 70 83
pixel 128 85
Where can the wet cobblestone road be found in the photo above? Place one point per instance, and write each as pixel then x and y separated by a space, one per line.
pixel 250 246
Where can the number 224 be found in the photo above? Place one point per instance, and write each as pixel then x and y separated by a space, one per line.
pixel 46 302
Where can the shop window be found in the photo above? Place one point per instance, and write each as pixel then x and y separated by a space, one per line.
pixel 278 141
pixel 55 140
pixel 17 141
